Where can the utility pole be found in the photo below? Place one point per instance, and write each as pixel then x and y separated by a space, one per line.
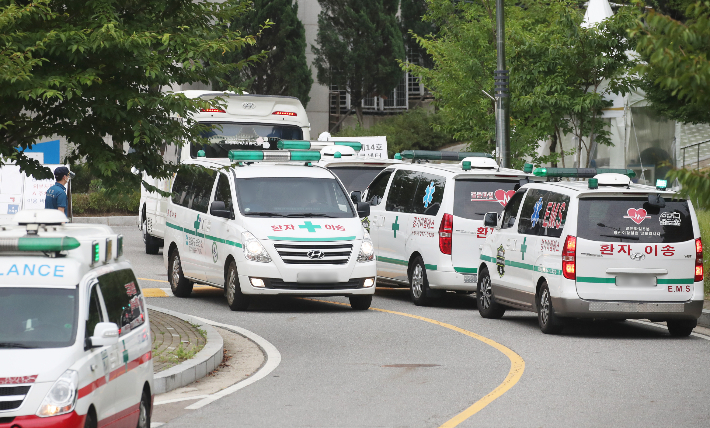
pixel 502 94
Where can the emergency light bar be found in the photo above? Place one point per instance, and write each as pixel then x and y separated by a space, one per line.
pixel 317 145
pixel 580 172
pixel 273 156
pixel 39 244
pixel 437 155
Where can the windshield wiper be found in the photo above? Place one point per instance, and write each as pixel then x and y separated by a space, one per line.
pixel 266 214
pixel 309 215
pixel 15 345
pixel 620 236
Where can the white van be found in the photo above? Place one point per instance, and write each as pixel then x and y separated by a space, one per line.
pixel 248 122
pixel 75 344
pixel 267 228
pixel 426 220
pixel 604 249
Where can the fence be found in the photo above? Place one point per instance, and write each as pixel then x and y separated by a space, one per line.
pixel 701 153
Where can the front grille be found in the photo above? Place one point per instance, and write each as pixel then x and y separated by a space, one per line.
pixel 13 396
pixel 635 307
pixel 297 253
pixel 13 390
pixel 276 283
pixel 10 405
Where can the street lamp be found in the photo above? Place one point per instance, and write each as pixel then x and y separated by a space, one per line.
pixel 502 94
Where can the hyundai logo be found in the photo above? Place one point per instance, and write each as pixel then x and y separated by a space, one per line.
pixel 248 106
pixel 637 256
pixel 315 254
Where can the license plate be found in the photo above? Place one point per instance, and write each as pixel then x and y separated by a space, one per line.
pixel 470 279
pixel 635 281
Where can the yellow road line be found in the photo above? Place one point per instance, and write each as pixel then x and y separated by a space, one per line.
pixel 156 280
pixel 517 364
pixel 154 292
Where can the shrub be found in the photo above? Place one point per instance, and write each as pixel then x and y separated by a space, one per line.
pixel 100 202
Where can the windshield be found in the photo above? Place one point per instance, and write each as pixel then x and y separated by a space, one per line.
pixel 292 197
pixel 37 317
pixel 474 198
pixel 634 220
pixel 356 177
pixel 224 137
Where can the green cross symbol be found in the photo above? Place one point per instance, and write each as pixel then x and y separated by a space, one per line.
pixel 308 225
pixel 395 226
pixel 197 222
pixel 523 247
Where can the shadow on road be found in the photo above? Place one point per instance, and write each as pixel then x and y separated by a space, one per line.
pixel 602 329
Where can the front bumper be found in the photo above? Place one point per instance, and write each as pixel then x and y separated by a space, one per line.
pixel 69 420
pixel 657 311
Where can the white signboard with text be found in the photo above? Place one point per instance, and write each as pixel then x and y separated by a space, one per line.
pixel 19 191
pixel 374 147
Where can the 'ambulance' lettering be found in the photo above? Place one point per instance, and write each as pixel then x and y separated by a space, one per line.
pixel 31 270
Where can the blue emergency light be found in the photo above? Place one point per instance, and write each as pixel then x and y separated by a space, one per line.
pixel 273 156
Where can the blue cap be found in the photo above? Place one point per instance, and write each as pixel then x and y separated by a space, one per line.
pixel 60 172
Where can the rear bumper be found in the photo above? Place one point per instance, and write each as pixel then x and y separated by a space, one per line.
pixel 70 420
pixel 579 308
pixel 450 280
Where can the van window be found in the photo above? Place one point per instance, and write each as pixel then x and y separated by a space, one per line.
pixel 356 177
pixel 122 297
pixel 193 187
pixel 632 219
pixel 532 212
pixel 182 187
pixel 511 209
pixel 95 315
pixel 474 198
pixel 204 181
pixel 404 185
pixel 224 193
pixel 429 194
pixel 553 215
pixel 224 137
pixel 376 190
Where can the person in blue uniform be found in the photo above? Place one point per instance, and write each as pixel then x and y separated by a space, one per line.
pixel 56 198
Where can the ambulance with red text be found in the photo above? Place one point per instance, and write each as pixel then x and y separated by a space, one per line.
pixel 605 248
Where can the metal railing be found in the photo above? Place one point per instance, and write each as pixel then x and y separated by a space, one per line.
pixel 706 151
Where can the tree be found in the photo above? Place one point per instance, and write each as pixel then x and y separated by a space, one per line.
pixel 359 43
pixel 93 72
pixel 285 70
pixel 412 22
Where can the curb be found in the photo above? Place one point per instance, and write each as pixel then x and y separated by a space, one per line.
pixel 119 220
pixel 704 319
pixel 195 368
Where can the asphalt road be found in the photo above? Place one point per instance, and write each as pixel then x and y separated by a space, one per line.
pixel 342 368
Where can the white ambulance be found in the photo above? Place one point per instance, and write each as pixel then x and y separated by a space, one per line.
pixel 75 344
pixel 605 248
pixel 248 122
pixel 260 227
pixel 426 219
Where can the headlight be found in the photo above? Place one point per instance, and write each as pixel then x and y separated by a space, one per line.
pixel 253 250
pixel 61 398
pixel 367 250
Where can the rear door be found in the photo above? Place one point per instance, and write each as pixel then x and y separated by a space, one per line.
pixel 374 195
pixel 472 200
pixel 356 177
pixel 394 225
pixel 630 250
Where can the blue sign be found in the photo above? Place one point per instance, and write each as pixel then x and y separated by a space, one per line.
pixel 429 195
pixel 12 209
pixel 50 150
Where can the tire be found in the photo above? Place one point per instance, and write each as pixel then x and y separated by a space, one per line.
pixel 152 244
pixel 681 328
pixel 546 318
pixel 236 300
pixel 486 302
pixel 360 303
pixel 144 413
pixel 180 286
pixel 419 289
pixel 90 421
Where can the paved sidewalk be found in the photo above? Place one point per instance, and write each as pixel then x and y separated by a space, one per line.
pixel 169 333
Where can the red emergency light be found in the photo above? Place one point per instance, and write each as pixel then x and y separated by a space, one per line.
pixel 212 110
pixel 284 113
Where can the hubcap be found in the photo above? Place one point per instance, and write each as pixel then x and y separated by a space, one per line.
pixel 230 287
pixel 485 297
pixel 417 281
pixel 143 418
pixel 544 306
pixel 176 271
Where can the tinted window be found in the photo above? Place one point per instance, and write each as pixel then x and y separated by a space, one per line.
pixel 511 209
pixel 474 198
pixel 376 190
pixel 204 181
pixel 403 187
pixel 95 315
pixel 633 220
pixel 224 193
pixel 554 215
pixel 193 187
pixel 292 197
pixel 182 187
pixel 429 193
pixel 224 137
pixel 122 297
pixel 532 212
pixel 356 178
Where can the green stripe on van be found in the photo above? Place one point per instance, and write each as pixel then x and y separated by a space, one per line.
pixel 465 270
pixel 402 262
pixel 488 259
pixel 675 281
pixel 595 280
pixel 201 235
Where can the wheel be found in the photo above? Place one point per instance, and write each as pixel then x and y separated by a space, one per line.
pixel 180 286
pixel 236 300
pixel 90 421
pixel 549 322
pixel 487 305
pixel 419 289
pixel 144 414
pixel 152 244
pixel 360 302
pixel 681 328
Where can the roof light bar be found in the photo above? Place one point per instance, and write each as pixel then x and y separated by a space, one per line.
pixel 580 172
pixel 528 168
pixel 661 184
pixel 37 243
pixel 273 156
pixel 315 145
pixel 95 256
pixel 437 155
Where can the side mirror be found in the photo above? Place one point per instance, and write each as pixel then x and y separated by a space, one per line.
pixel 105 334
pixel 363 209
pixel 356 196
pixel 491 219
pixel 218 209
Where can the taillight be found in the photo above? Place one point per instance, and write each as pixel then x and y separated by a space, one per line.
pixel 445 229
pixel 569 256
pixel 212 110
pixel 698 260
pixel 284 113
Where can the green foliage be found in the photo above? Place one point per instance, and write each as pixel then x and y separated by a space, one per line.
pixel 359 43
pixel 411 13
pixel 695 185
pixel 93 72
pixel 285 70
pixel 100 202
pixel 676 59
pixel 413 130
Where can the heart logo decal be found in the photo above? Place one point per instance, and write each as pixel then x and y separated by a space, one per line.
pixel 503 197
pixel 637 215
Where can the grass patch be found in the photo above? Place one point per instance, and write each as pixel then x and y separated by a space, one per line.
pixel 704 224
pixel 179 354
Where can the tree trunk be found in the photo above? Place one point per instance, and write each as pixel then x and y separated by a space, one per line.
pixel 358 111
pixel 553 146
